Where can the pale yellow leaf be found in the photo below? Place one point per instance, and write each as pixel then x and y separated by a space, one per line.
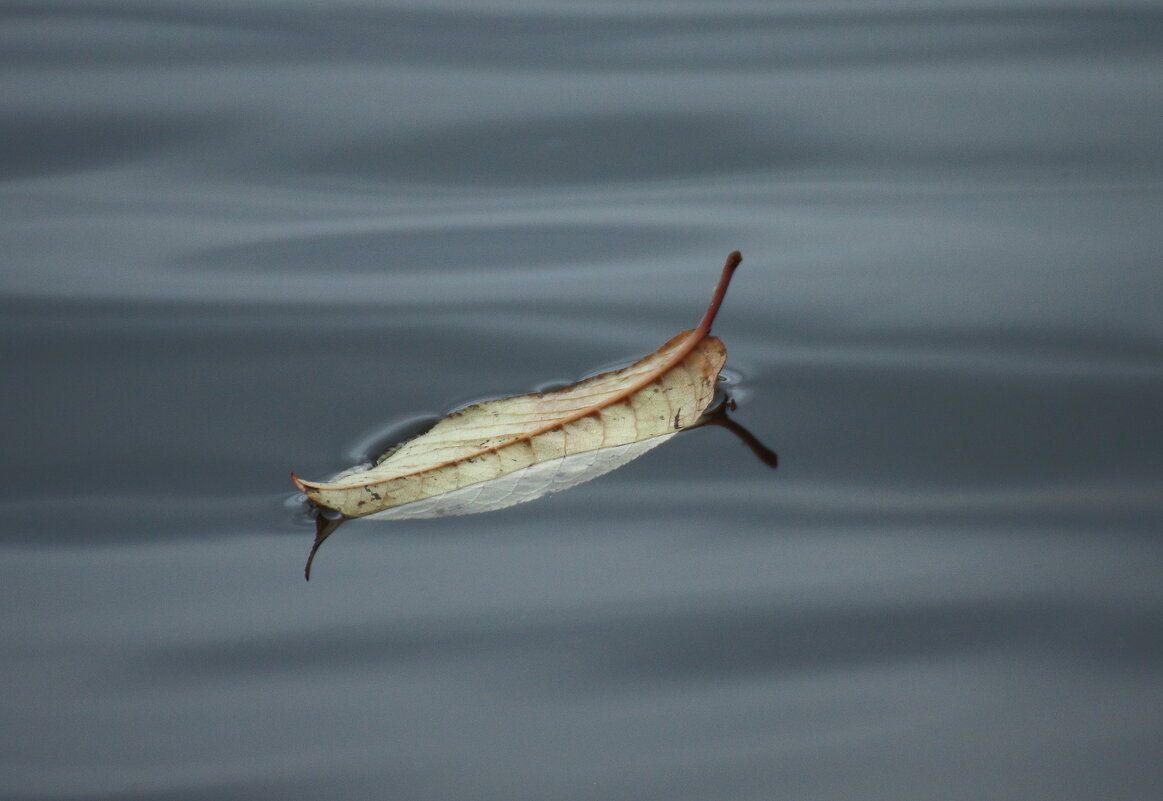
pixel 501 452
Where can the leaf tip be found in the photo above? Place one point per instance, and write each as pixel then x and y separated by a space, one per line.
pixel 298 482
pixel 324 527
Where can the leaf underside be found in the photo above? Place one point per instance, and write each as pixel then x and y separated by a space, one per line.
pixel 523 485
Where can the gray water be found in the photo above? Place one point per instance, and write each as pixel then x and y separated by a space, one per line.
pixel 244 239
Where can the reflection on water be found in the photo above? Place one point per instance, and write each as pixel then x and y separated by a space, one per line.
pixel 236 236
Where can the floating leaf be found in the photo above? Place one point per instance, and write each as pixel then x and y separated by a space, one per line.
pixel 501 452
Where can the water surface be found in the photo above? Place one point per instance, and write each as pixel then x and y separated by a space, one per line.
pixel 240 241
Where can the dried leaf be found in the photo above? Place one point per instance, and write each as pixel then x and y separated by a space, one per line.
pixel 501 452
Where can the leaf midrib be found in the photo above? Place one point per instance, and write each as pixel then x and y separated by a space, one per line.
pixel 693 339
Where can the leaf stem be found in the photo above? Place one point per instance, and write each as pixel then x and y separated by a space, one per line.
pixel 720 292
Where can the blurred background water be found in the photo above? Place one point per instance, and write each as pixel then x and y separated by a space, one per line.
pixel 241 239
